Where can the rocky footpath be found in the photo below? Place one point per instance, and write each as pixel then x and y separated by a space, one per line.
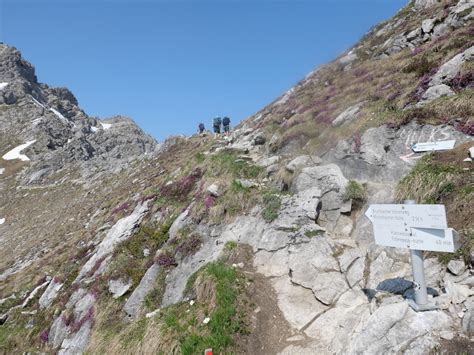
pixel 338 291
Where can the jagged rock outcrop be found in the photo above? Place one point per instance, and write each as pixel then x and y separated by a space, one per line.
pixel 384 154
pixel 63 133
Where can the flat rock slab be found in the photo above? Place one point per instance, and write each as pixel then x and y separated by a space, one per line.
pixel 50 294
pixel 121 231
pixel 451 68
pixel 119 287
pixel 325 177
pixel 348 115
pixel 334 327
pixel 435 92
pixel 147 283
pixel 297 304
pixel 395 327
pixel 302 161
pixel 272 264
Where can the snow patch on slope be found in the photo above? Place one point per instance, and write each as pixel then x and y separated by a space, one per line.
pixel 2 220
pixel 15 153
pixel 57 113
pixel 2 170
pixel 3 85
pixel 37 102
pixel 106 125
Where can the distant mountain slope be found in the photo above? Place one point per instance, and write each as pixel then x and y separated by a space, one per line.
pixel 64 134
pixel 417 65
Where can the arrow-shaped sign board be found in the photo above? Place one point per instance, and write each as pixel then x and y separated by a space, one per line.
pixel 418 227
pixel 444 240
pixel 430 146
pixel 411 216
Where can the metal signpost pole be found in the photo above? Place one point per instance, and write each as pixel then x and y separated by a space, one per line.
pixel 419 282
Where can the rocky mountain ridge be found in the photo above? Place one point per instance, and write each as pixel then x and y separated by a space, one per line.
pixel 63 133
pixel 161 254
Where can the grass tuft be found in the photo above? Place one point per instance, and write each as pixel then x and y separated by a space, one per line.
pixel 185 323
pixel 355 191
pixel 272 204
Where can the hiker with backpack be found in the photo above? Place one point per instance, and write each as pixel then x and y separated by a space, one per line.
pixel 216 124
pixel 201 128
pixel 226 125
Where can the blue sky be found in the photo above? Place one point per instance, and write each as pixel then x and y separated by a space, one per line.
pixel 172 64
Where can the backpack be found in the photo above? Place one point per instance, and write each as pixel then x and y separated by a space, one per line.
pixel 226 121
pixel 217 121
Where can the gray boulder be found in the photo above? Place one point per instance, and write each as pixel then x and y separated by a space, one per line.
pixel 214 190
pixel 452 67
pixel 247 184
pixel 441 29
pixel 394 327
pixel 313 266
pixel 435 92
pixel 147 283
pixel 333 329
pixel 119 287
pixel 456 267
pixel 267 162
pixel 348 59
pixel 298 305
pixel 428 25
pixel 50 293
pixel 325 177
pixel 299 209
pixel 414 34
pixel 347 115
pixel 468 322
pixel 58 332
pixel 77 343
pixel 121 231
pixel 382 154
pixel 301 162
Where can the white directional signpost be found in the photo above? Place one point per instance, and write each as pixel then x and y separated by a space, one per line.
pixel 418 228
pixel 430 146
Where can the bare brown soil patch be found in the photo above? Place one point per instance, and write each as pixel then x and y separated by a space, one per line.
pixel 268 328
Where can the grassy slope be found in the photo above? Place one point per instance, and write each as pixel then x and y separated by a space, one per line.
pixel 386 86
pixel 147 180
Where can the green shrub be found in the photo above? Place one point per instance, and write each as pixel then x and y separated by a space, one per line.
pixel 230 245
pixel 146 237
pixel 228 163
pixel 181 321
pixel 129 260
pixel 237 187
pixel 272 204
pixel 200 157
pixel 313 233
pixel 355 191
pixel 153 299
pixel 420 65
